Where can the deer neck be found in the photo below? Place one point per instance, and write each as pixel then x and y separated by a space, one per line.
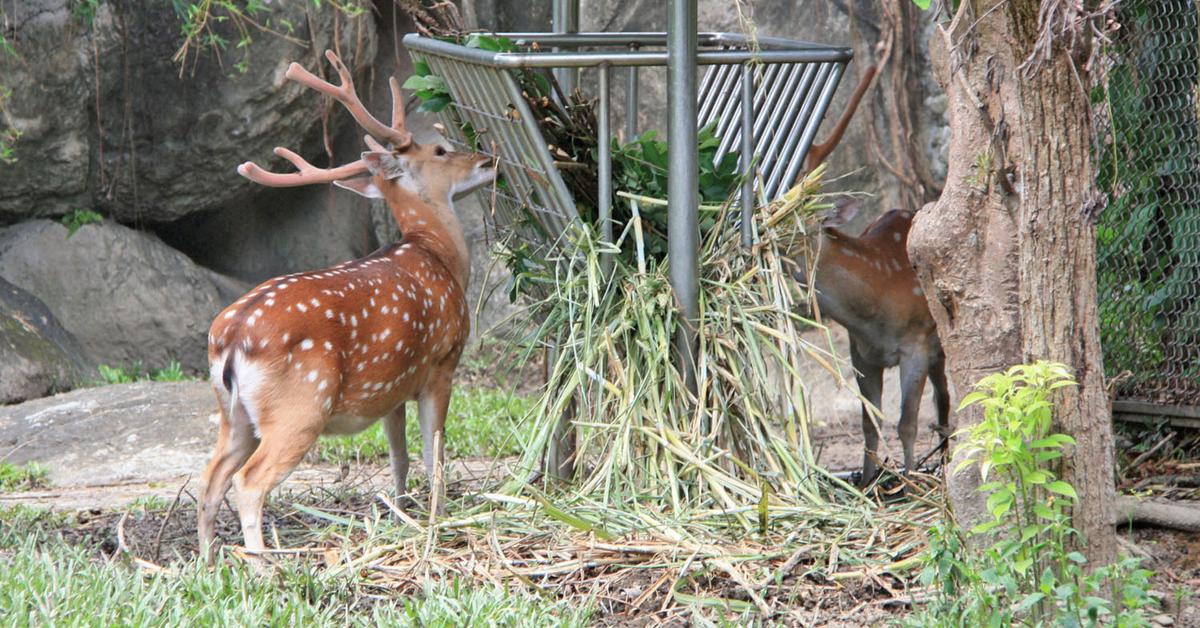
pixel 432 224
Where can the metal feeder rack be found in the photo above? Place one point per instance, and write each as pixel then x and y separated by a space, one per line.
pixel 789 83
pixel 767 98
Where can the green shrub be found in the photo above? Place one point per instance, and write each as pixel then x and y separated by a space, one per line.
pixel 24 477
pixel 1020 568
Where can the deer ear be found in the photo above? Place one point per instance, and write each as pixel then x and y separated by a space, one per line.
pixel 362 186
pixel 843 211
pixel 385 164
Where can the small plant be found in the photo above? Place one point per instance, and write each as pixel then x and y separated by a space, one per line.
pixel 1020 569
pixel 14 478
pixel 172 373
pixel 78 218
pixel 110 375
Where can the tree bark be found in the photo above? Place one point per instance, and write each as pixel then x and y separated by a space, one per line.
pixel 1007 254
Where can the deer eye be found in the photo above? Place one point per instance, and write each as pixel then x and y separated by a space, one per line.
pixel 439 151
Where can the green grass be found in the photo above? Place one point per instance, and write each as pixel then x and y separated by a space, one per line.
pixel 46 581
pixel 137 373
pixel 78 218
pixel 24 477
pixel 480 422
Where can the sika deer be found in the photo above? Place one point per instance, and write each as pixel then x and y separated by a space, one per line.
pixel 334 350
pixel 868 285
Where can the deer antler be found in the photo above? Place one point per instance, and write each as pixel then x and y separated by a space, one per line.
pixel 345 94
pixel 306 174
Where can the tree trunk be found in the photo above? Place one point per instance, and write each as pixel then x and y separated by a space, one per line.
pixel 1007 254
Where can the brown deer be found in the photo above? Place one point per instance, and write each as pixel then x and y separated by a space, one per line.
pixel 334 350
pixel 869 286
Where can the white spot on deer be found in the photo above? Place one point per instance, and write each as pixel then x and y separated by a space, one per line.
pixel 365 315
pixel 270 302
pixel 918 291
pixel 353 321
pixel 353 334
pixel 387 332
pixel 896 236
pixel 230 314
pixel 315 303
pixel 328 346
pixel 400 345
pixel 383 310
pixel 406 316
pixel 247 343
pixel 327 405
pixel 395 297
pixel 262 344
pixel 359 367
pixel 306 344
pixel 328 313
pixel 373 299
pixel 286 335
pixel 301 307
pixel 312 375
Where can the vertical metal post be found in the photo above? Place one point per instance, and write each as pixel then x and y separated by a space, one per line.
pixel 631 102
pixel 565 19
pixel 747 155
pixel 604 168
pixel 683 194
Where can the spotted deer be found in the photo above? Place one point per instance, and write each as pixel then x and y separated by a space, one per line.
pixel 334 350
pixel 868 285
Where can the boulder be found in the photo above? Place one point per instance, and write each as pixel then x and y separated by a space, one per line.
pixel 145 431
pixel 108 120
pixel 123 293
pixel 37 356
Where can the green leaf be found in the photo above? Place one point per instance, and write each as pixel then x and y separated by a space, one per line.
pixel 1062 488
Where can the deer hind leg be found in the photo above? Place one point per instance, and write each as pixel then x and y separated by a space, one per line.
pixel 870 386
pixel 394 425
pixel 286 437
pixel 941 397
pixel 913 371
pixel 235 443
pixel 431 411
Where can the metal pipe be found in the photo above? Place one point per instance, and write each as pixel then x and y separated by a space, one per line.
pixel 747 155
pixel 631 103
pixel 565 20
pixel 800 133
pixel 814 121
pixel 683 194
pixel 604 168
pixel 625 59
pixel 654 38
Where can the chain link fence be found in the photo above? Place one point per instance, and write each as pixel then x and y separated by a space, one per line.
pixel 1148 239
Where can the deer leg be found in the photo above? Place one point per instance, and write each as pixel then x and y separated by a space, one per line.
pixel 431 411
pixel 913 371
pixel 941 396
pixel 393 426
pixel 283 446
pixel 235 443
pixel 870 386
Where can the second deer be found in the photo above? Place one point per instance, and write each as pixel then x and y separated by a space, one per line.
pixel 868 285
pixel 335 350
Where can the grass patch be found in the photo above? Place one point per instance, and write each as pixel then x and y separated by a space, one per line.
pixel 480 422
pixel 15 478
pixel 44 581
pixel 110 375
pixel 78 218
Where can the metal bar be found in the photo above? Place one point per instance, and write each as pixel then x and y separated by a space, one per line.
pixel 714 84
pixel 798 147
pixel 747 155
pixel 683 233
pixel 793 120
pixel 631 105
pixel 565 20
pixel 604 168
pixel 655 38
pixel 595 58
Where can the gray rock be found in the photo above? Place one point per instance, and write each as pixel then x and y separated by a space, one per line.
pixel 107 121
pixel 123 293
pixel 145 431
pixel 37 356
